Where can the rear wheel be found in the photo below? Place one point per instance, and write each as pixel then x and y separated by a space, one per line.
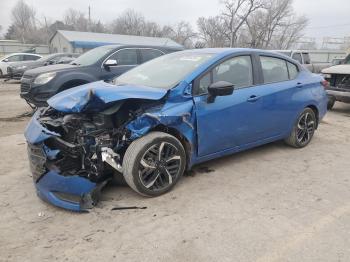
pixel 331 102
pixel 303 129
pixel 153 164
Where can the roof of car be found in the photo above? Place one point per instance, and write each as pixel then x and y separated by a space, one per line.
pixel 23 54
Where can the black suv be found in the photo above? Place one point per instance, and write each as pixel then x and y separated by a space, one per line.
pixel 101 63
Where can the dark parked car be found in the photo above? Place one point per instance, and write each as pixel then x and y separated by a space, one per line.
pixel 159 119
pixel 16 70
pixel 101 63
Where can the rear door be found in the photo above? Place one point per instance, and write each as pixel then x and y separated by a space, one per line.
pixel 149 54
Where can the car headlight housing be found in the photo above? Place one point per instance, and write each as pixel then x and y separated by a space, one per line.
pixel 44 78
pixel 327 76
pixel 21 67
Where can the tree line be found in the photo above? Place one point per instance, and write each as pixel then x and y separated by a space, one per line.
pixel 268 24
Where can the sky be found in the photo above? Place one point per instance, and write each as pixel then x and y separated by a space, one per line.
pixel 326 17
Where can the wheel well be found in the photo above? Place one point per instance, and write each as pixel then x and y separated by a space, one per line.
pixel 174 132
pixel 73 83
pixel 314 108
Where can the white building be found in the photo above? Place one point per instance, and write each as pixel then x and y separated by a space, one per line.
pixel 79 42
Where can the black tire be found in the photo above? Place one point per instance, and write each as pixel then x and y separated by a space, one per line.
pixel 1 74
pixel 303 129
pixel 149 172
pixel 330 104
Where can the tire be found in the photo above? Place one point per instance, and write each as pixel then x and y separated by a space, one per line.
pixel 303 129
pixel 1 74
pixel 149 172
pixel 330 104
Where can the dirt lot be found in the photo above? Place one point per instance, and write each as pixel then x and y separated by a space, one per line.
pixel 273 203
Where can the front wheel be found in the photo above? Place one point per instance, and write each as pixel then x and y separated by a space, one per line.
pixel 303 129
pixel 153 164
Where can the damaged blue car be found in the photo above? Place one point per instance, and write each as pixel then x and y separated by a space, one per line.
pixel 157 120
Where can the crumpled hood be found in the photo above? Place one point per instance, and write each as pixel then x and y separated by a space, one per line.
pixel 338 69
pixel 95 96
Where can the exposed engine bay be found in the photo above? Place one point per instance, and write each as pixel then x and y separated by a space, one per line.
pixel 91 144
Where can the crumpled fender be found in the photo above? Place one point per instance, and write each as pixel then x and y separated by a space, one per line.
pixel 175 113
pixel 96 95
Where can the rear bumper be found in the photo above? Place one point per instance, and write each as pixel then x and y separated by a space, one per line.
pixel 339 95
pixel 73 192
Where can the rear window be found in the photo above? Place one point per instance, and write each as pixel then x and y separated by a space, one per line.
pixel 274 69
pixel 297 57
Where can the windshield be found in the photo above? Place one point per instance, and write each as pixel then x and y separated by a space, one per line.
pixel 46 58
pixel 347 60
pixel 165 71
pixel 92 56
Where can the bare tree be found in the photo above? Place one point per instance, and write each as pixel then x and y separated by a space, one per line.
pixel 212 31
pixel 276 26
pixel 181 33
pixel 129 23
pixel 236 13
pixel 23 21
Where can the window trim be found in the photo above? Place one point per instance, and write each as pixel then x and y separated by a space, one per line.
pixel 141 57
pixel 137 53
pixel 255 74
pixel 276 57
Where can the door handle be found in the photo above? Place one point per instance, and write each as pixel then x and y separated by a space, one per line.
pixel 253 98
pixel 299 85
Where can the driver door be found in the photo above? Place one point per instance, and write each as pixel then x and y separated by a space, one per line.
pixel 232 120
pixel 126 59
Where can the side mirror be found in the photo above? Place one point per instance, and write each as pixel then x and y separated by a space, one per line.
pixel 5 60
pixel 110 62
pixel 220 88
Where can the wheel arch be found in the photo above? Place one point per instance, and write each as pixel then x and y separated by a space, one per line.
pixel 315 109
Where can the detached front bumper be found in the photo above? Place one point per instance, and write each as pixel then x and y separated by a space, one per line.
pixel 75 193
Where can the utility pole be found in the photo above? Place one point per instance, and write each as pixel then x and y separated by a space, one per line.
pixel 89 18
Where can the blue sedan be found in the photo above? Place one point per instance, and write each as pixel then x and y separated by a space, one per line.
pixel 159 119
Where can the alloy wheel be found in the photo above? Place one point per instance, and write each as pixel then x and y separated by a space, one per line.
pixel 159 166
pixel 306 128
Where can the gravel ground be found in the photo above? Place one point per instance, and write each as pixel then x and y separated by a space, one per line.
pixel 272 203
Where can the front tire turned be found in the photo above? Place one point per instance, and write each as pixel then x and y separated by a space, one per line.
pixel 154 163
pixel 303 129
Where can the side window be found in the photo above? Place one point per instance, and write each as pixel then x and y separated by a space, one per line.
pixel 274 69
pixel 15 58
pixel 293 70
pixel 306 58
pixel 237 70
pixel 149 54
pixel 297 57
pixel 31 57
pixel 125 57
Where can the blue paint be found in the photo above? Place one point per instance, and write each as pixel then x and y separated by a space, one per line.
pixel 53 182
pixel 97 95
pixel 35 133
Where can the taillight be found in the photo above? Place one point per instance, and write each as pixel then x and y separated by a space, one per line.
pixel 325 84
